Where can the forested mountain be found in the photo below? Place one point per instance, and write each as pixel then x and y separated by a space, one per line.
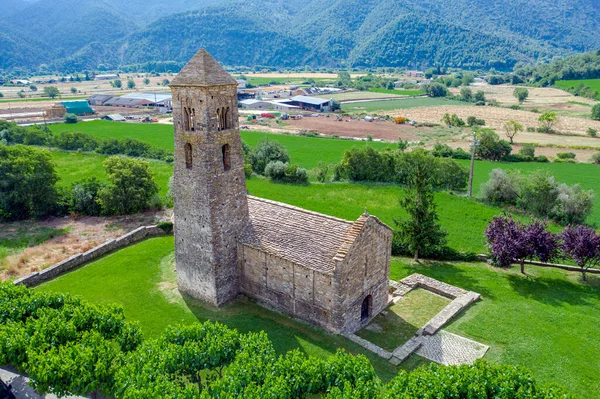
pixel 581 66
pixel 81 34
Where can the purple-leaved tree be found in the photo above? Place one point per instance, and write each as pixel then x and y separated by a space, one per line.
pixel 582 244
pixel 511 241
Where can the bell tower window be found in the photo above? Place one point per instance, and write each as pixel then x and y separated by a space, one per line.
pixel 226 157
pixel 188 156
pixel 189 116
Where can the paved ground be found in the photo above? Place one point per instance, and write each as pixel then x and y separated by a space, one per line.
pixel 21 389
pixel 451 349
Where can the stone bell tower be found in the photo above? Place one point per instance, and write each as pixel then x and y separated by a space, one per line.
pixel 209 187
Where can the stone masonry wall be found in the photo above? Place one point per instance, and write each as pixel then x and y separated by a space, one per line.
pixel 75 261
pixel 364 271
pixel 285 286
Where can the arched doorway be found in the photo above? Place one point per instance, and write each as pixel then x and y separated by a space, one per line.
pixel 366 308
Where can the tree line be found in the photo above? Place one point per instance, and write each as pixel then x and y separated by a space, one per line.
pixel 70 347
pixel 28 187
pixel 11 133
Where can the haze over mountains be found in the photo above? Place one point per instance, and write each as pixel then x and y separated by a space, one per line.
pixel 71 35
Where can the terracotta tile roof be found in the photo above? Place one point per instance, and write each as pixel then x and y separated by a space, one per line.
pixel 203 70
pixel 306 238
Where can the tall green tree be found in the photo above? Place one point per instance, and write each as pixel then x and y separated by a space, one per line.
pixel 51 91
pixel 420 230
pixel 27 183
pixel 521 94
pixel 596 112
pixel 131 186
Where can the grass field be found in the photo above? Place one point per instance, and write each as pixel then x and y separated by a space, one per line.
pixel 390 105
pixel 403 319
pixel 400 92
pixel 73 166
pixel 593 83
pixel 18 237
pixel 545 321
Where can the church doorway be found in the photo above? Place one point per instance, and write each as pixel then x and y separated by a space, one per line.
pixel 366 308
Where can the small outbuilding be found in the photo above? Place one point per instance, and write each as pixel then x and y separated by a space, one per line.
pixel 114 118
pixel 79 108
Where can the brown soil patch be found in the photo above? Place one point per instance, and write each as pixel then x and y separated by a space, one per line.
pixel 84 234
pixel 495 118
pixel 358 128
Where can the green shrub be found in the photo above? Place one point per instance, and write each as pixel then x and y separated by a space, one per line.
pixel 248 170
pixel 267 151
pixel 566 155
pixel 321 172
pixel 459 153
pixel 84 197
pixel 442 150
pixel 473 121
pixel 527 150
pixel 595 158
pixel 490 146
pixel 71 118
pixel 596 112
pixel 131 187
pixel 542 158
pixel 27 183
pixel 592 132
pixel 167 227
pixel 279 171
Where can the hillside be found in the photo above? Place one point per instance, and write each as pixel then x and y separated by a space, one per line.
pixel 369 33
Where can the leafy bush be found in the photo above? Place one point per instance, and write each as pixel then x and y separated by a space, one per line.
pixel 473 121
pixel 491 147
pixel 248 170
pixel 435 89
pixel 84 198
pixel 566 155
pixel 453 120
pixel 167 227
pixel 595 158
pixel 459 153
pixel 442 150
pixel 71 118
pixel 321 172
pixel 596 112
pixel 72 141
pixel 267 151
pixel 592 132
pixel 27 183
pixel 527 150
pixel 131 186
pixel 573 204
pixel 501 188
pixel 279 171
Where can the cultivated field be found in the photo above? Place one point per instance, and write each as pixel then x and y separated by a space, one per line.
pixel 593 83
pixel 495 117
pixel 542 98
pixel 358 95
pixel 390 105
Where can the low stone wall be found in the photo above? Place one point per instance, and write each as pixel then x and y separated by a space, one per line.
pixel 75 261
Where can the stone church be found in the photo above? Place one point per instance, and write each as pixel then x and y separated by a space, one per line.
pixel 330 272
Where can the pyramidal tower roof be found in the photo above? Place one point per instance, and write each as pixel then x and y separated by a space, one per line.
pixel 203 70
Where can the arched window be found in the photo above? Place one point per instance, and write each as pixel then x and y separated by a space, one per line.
pixel 188 156
pixel 226 157
pixel 226 119
pixel 219 119
pixel 192 121
pixel 186 118
pixel 366 308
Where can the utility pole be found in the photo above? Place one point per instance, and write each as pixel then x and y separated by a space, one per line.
pixel 474 144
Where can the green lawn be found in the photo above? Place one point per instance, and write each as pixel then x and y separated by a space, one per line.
pixel 141 278
pixel 565 84
pixel 400 92
pixel 545 321
pixel 390 105
pixel 402 320
pixel 74 166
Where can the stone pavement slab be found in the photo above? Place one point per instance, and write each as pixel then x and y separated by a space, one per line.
pixel 451 349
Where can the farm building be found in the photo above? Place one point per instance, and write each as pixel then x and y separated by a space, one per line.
pixel 99 99
pixel 127 102
pixel 156 99
pixel 330 272
pixel 415 74
pixel 114 118
pixel 245 95
pixel 78 107
pixel 310 103
pixel 267 105
pixel 109 76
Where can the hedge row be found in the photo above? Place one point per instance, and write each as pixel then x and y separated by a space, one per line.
pixel 69 347
pixel 12 134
